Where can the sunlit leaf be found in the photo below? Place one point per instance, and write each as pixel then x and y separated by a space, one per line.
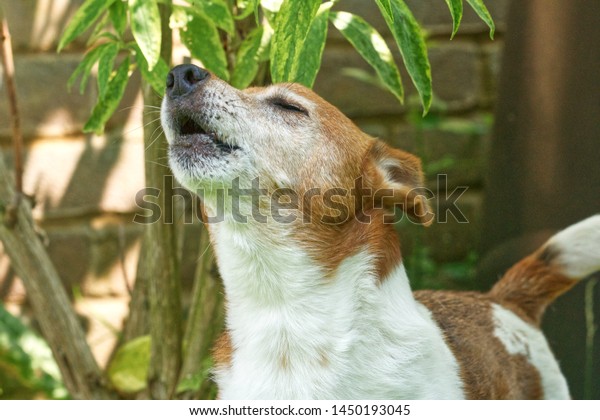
pixel 85 16
pixel 291 29
pixel 216 11
pixel 372 47
pixel 118 16
pixel 146 29
pixel 85 66
pixel 411 42
pixel 246 64
pixel 157 77
pixel 309 62
pixel 105 67
pixel 128 370
pixel 27 367
pixel 107 105
pixel 202 38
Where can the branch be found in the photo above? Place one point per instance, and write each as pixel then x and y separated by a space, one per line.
pixel 9 81
pixel 50 303
pixel 161 250
pixel 51 306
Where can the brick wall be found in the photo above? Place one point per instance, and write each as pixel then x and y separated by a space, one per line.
pixel 85 185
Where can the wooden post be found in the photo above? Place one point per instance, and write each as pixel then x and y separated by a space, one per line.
pixel 545 157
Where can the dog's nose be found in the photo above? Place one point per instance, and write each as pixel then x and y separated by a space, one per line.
pixel 184 78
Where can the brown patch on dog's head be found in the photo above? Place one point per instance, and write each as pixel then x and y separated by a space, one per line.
pixel 372 183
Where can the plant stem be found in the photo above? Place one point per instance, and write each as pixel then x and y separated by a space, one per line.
pixel 53 310
pixel 160 252
pixel 9 81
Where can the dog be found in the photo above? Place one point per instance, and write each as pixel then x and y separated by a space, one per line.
pixel 319 305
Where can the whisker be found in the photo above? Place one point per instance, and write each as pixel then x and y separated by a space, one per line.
pixel 159 164
pixel 141 126
pixel 152 140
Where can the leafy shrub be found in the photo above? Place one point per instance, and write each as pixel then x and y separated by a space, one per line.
pixel 27 368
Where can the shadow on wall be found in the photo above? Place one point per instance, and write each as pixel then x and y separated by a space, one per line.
pixel 84 185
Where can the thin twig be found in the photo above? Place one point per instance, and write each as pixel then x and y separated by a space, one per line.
pixel 9 80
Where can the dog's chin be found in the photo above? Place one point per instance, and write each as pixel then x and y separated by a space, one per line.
pixel 194 149
pixel 199 164
pixel 197 154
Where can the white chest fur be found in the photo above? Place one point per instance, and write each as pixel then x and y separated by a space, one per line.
pixel 299 335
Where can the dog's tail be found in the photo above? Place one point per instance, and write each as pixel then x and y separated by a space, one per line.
pixel 567 257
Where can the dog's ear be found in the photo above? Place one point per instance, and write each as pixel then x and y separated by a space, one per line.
pixel 397 181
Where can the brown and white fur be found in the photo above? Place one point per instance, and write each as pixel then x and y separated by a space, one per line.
pixel 324 310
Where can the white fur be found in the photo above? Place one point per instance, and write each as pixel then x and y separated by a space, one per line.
pixel 521 338
pixel 579 249
pixel 299 335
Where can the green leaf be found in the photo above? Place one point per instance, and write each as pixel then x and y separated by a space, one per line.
pixel 216 11
pixel 157 77
pixel 411 43
pixel 85 66
pixel 193 382
pixel 292 25
pixel 107 105
pixel 386 7
pixel 128 370
pixel 146 29
pixel 456 10
pixel 246 64
pixel 27 368
pixel 202 38
pixel 309 62
pixel 118 16
pixel 247 7
pixel 87 14
pixel 98 30
pixel 105 66
pixel 108 35
pixel 372 47
pixel 484 14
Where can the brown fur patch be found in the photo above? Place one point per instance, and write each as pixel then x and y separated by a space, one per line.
pixel 487 369
pixel 222 351
pixel 330 245
pixel 532 284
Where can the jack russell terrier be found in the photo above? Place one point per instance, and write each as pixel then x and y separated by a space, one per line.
pixel 318 301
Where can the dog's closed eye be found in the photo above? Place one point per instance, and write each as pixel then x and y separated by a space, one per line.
pixel 288 106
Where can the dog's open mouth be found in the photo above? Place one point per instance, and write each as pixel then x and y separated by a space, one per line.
pixel 193 135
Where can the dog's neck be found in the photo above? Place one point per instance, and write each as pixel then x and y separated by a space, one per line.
pixel 299 332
